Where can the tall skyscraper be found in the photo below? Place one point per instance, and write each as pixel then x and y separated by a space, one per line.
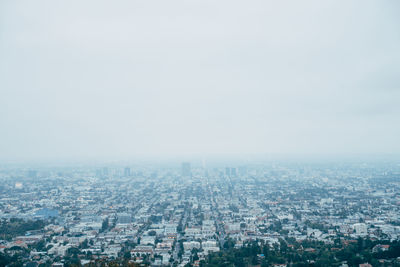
pixel 105 171
pixel 228 171
pixel 233 172
pixel 186 170
pixel 99 173
pixel 127 172
pixel 243 170
pixel 32 174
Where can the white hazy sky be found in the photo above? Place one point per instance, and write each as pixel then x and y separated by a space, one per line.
pixel 88 79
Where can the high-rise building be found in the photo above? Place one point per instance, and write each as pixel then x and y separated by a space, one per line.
pixel 105 171
pixel 99 173
pixel 32 174
pixel 127 172
pixel 186 170
pixel 243 170
pixel 228 171
pixel 233 172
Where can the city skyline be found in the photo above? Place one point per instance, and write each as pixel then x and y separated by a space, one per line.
pixel 199 133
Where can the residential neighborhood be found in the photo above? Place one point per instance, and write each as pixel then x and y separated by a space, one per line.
pixel 181 216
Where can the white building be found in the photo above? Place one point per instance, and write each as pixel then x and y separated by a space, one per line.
pixel 188 246
pixel 360 229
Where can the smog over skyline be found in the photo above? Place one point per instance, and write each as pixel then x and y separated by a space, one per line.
pixel 199 133
pixel 101 80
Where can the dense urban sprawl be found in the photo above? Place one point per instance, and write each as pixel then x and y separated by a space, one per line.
pixel 270 214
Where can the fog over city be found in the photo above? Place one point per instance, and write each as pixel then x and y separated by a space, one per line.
pixel 199 133
pixel 102 80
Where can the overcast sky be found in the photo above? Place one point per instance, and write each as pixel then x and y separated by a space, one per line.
pixel 118 79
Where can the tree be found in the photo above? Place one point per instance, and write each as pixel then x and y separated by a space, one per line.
pixel 195 256
pixel 84 244
pixel 152 233
pixel 104 225
pixel 127 255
